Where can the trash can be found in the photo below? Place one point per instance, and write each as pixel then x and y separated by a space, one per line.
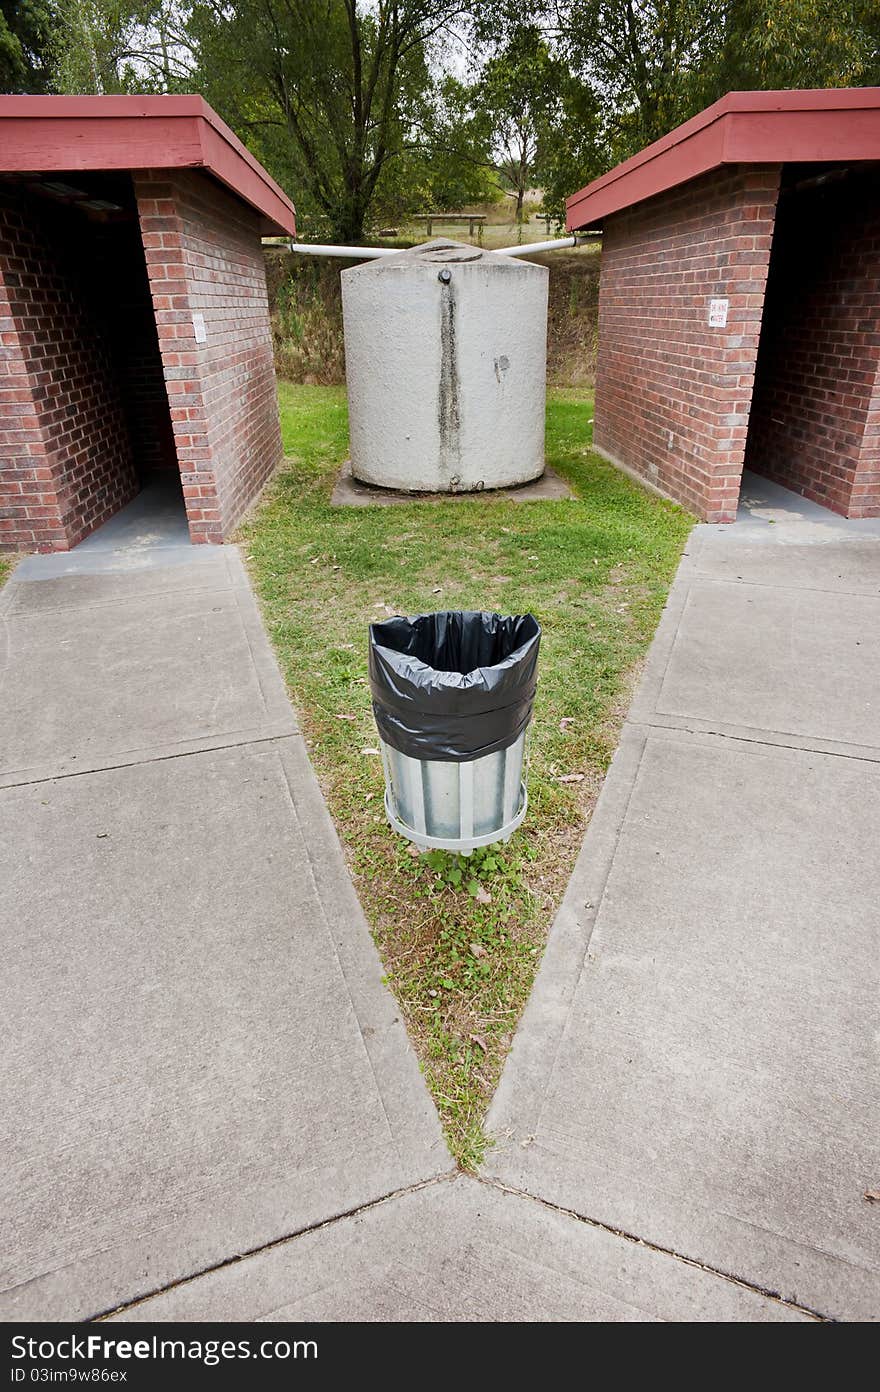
pixel 452 696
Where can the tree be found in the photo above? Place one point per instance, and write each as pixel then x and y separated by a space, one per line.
pixel 455 149
pixel 642 56
pixel 772 44
pixel 106 46
pixel 520 95
pixel 331 93
pixel 25 28
pixel 657 62
pixel 574 152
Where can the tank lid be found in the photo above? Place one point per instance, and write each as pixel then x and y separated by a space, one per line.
pixel 444 251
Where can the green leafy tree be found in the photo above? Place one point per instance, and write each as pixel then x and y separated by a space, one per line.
pixel 642 56
pixel 456 149
pixel 657 62
pixel 331 93
pixel 772 44
pixel 25 30
pixel 106 46
pixel 519 95
pixel 574 152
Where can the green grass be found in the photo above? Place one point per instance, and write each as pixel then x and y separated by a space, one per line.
pixel 6 564
pixel 461 940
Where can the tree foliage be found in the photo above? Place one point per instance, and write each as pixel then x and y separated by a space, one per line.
pixel 26 27
pixel 368 110
pixel 107 46
pixel 334 88
pixel 657 62
pixel 519 95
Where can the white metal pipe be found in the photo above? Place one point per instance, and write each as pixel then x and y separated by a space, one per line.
pixel 352 253
pixel 373 253
pixel 555 244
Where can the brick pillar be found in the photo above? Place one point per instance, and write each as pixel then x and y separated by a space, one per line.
pixel 673 393
pixel 205 262
pixel 164 239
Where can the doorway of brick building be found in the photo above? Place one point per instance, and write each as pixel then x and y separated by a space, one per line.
pixel 95 362
pixel 817 388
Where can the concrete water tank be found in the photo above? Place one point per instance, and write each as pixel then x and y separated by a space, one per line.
pixel 445 359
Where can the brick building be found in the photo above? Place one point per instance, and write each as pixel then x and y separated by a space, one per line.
pixel 739 304
pixel 134 328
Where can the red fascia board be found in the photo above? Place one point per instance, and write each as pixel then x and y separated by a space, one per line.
pixel 55 134
pixel 742 128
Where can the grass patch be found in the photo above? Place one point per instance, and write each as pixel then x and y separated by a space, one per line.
pixel 461 939
pixel 6 564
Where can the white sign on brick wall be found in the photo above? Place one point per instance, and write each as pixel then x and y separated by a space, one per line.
pixel 199 329
pixel 718 313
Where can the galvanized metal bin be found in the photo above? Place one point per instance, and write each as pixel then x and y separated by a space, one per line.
pixel 452 696
pixel 456 807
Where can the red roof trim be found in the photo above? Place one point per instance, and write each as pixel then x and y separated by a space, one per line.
pixel 742 128
pixel 42 134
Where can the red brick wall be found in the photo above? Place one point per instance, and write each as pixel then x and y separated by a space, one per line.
pixel 66 463
pixel 815 424
pixel 673 394
pixel 204 256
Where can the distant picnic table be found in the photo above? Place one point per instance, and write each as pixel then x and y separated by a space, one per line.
pixel 472 219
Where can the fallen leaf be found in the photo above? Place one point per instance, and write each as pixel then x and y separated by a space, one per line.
pixel 565 722
pixel 479 1041
pixel 478 949
pixel 871 1196
pixel 483 896
pixel 369 750
pixel 571 778
pixel 345 717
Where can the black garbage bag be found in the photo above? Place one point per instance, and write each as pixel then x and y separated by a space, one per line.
pixel 454 685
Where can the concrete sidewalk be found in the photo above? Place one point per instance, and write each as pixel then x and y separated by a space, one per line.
pixel 697 1065
pixel 199 1056
pixel 200 1061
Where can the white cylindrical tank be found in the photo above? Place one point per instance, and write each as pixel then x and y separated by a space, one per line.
pixel 445 359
